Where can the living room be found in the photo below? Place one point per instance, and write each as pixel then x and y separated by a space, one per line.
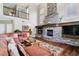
pixel 39 29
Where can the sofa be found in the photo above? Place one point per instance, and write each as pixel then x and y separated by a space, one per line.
pixel 3 48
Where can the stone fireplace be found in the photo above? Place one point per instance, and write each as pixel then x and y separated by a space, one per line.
pixel 54 32
pixel 50 31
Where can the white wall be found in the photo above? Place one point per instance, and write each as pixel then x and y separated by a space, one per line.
pixel 64 9
pixel 69 12
pixel 42 11
pixel 1 8
pixel 33 18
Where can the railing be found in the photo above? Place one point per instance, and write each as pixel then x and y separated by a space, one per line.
pixel 15 13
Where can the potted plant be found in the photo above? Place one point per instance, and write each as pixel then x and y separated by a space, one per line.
pixel 17 31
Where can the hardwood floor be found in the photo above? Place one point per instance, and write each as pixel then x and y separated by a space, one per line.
pixel 68 50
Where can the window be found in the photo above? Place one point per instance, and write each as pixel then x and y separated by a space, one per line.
pixel 6 26
pixel 11 10
pixel 2 28
pixel 23 13
pixel 9 28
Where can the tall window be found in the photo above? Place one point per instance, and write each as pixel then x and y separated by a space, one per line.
pixel 11 10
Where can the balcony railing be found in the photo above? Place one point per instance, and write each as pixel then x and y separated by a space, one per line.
pixel 15 13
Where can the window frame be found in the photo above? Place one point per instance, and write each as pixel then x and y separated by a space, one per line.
pixel 16 14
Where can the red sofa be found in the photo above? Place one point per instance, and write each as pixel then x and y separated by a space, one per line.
pixel 34 50
pixel 4 46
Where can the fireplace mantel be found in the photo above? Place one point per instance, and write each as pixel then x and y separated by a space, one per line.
pixel 59 24
pixel 47 25
pixel 69 23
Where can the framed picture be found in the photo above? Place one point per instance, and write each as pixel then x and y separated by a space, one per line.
pixel 25 28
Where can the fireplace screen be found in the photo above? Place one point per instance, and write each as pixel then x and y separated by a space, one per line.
pixel 49 32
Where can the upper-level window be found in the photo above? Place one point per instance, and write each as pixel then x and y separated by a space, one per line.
pixel 23 13
pixel 72 9
pixel 9 9
pixel 12 10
